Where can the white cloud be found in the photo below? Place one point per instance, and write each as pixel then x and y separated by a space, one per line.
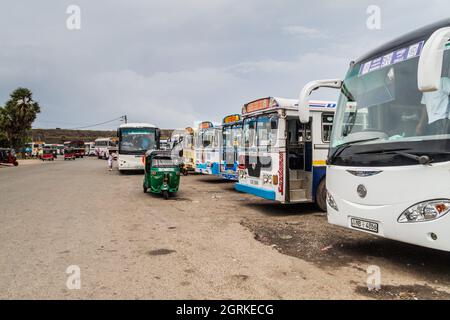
pixel 303 31
pixel 174 62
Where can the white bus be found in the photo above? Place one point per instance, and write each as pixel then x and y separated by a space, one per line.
pixel 89 148
pixel 102 146
pixel 208 145
pixel 135 139
pixel 391 176
pixel 281 159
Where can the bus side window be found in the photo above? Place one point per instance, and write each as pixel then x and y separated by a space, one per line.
pixel 327 125
pixel 308 131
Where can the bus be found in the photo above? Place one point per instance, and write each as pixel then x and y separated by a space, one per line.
pixel 280 158
pixel 89 149
pixel 57 149
pixel 77 146
pixel 135 139
pixel 183 140
pixel 102 147
pixel 35 147
pixel 390 177
pixel 207 148
pixel 231 138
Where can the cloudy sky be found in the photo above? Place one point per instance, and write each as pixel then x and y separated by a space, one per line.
pixel 173 62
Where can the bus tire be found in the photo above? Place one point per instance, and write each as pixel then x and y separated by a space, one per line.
pixel 321 195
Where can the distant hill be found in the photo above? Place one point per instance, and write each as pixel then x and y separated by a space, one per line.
pixel 61 135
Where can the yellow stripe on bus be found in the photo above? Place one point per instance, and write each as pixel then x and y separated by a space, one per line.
pixel 319 162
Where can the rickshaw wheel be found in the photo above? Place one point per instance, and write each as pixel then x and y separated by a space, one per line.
pixel 144 188
pixel 166 194
pixel 185 172
pixel 16 163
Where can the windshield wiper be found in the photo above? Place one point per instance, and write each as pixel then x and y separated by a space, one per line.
pixel 423 159
pixel 344 146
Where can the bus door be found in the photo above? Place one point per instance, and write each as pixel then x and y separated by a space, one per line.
pixel 229 150
pixel 299 160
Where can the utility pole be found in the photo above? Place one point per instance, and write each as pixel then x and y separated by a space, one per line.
pixel 125 119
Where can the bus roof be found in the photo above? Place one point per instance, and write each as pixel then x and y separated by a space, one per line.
pixel 208 125
pixel 137 125
pixel 273 103
pixel 399 42
pixel 231 119
pixel 103 139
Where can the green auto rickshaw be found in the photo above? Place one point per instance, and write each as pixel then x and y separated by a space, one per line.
pixel 162 173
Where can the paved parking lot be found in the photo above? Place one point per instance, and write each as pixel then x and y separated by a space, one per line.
pixel 207 242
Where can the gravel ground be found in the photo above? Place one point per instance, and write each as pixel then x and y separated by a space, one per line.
pixel 208 242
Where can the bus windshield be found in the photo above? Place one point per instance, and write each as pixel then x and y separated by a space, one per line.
pixel 209 138
pixel 232 136
pixel 137 140
pixel 380 103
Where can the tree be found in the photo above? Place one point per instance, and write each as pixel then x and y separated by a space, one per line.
pixel 17 116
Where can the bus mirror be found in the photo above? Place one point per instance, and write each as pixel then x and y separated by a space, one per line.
pixel 303 101
pixel 430 63
pixel 274 123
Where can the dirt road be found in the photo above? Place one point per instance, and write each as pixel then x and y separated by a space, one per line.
pixel 209 242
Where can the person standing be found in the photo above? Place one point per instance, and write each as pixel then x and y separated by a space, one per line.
pixel 110 161
pixel 436 114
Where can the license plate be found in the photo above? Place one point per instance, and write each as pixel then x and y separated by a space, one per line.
pixel 364 225
pixel 254 182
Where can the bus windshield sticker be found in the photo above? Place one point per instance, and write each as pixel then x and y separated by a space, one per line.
pixel 392 58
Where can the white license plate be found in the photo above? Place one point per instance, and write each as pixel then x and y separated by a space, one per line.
pixel 254 182
pixel 364 225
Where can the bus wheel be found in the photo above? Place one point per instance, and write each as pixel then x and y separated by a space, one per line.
pixel 321 195
pixel 166 194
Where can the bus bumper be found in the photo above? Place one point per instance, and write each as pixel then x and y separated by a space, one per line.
pixel 431 234
pixel 256 191
pixel 232 176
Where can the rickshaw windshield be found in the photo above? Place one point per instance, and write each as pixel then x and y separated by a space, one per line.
pixel 163 162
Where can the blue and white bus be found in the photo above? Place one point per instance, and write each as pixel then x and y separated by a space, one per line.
pixel 280 158
pixel 208 144
pixel 231 138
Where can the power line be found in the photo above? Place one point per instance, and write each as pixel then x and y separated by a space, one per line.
pixel 123 118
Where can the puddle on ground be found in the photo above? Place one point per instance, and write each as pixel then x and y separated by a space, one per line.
pixel 160 252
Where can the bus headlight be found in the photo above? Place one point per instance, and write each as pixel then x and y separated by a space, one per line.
pixel 425 211
pixel 331 202
pixel 267 179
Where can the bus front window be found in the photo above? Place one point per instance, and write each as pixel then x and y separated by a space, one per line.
pixel 249 132
pixel 137 140
pixel 385 108
pixel 267 130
